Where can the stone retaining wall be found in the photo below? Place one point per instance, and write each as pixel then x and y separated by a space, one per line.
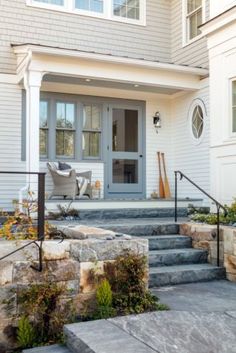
pixel 69 262
pixel 204 237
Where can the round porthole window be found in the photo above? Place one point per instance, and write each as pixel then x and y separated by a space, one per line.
pixel 197 122
pixel 197 119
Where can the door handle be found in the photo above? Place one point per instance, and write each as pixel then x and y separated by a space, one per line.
pixel 141 156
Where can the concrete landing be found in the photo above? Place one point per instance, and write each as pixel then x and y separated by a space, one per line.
pixel 215 296
pixel 50 349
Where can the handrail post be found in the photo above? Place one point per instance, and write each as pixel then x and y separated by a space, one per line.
pixel 218 235
pixel 41 206
pixel 176 197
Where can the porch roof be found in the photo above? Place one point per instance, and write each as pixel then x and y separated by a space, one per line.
pixel 106 67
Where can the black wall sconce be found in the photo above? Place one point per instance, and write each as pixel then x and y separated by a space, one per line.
pixel 157 121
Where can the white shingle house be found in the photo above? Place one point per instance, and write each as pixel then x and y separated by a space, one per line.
pixel 81 81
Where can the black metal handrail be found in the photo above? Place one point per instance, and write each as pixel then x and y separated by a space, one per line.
pixel 217 203
pixel 41 217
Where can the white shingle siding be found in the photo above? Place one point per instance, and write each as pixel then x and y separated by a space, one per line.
pixel 23 24
pixel 191 159
pixel 10 142
pixel 194 54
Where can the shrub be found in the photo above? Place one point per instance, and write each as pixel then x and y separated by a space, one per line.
pixel 211 218
pixel 127 277
pixel 41 304
pixel 25 333
pixel 104 300
pixel 20 225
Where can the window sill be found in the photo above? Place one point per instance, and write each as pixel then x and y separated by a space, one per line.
pixel 97 15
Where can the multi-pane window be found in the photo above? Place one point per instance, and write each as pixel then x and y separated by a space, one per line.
pixel 194 18
pixel 127 8
pixel 65 129
pixel 43 129
pixel 91 136
pixel 234 106
pixel 197 122
pixel 52 2
pixel 131 11
pixel 89 5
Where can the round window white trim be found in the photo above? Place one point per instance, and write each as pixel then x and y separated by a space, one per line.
pixel 197 103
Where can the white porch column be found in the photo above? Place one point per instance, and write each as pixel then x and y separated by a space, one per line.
pixel 32 82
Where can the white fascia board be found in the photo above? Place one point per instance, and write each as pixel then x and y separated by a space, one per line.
pixel 110 59
pixel 219 22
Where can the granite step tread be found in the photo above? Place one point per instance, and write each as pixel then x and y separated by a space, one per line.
pixel 50 349
pixel 180 274
pixel 102 336
pixel 170 257
pixel 170 241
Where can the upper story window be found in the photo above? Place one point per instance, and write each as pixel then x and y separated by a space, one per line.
pixel 126 8
pixel 130 11
pixel 89 5
pixel 234 106
pixel 194 13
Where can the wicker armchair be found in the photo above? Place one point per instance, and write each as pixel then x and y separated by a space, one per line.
pixel 65 183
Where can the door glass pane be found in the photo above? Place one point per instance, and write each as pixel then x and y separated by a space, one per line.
pixel 125 171
pixel 70 116
pixel 125 130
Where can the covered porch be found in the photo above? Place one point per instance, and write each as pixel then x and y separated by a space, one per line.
pixel 95 112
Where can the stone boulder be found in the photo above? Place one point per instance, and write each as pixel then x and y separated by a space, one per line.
pixel 83 232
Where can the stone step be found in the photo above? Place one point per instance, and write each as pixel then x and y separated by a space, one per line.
pixel 171 275
pixel 50 349
pixel 170 257
pixel 142 228
pixel 102 336
pixel 157 212
pixel 170 241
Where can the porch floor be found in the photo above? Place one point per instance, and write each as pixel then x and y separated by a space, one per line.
pixel 94 204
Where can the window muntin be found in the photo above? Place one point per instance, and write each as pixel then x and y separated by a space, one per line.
pixel 52 2
pixel 197 122
pixel 127 9
pixel 91 134
pixel 65 130
pixel 194 18
pixel 90 5
pixel 234 106
pixel 43 132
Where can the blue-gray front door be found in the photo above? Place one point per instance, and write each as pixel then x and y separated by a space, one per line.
pixel 125 151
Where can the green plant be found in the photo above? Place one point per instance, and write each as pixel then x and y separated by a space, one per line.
pixel 104 300
pixel 63 212
pixel 211 218
pixel 127 277
pixel 42 305
pixel 21 225
pixel 25 333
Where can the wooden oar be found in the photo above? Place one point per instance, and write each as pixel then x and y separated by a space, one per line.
pixel 166 182
pixel 161 184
